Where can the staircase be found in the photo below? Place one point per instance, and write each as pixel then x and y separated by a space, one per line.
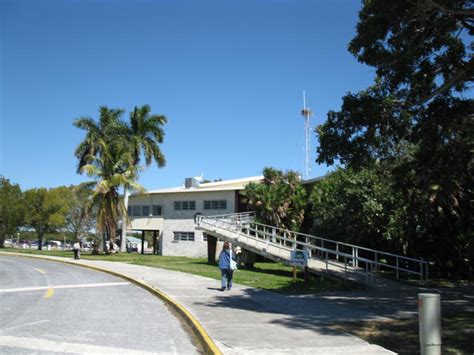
pixel 359 264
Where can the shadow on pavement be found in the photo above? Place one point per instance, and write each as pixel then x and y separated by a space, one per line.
pixel 313 311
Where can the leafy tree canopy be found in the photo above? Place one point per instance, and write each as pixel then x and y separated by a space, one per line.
pixel 359 208
pixel 80 219
pixel 11 211
pixel 421 48
pixel 46 210
pixel 280 199
pixel 145 133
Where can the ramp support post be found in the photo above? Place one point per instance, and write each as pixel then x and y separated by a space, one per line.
pixel 211 249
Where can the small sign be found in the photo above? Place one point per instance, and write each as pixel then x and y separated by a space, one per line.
pixel 299 258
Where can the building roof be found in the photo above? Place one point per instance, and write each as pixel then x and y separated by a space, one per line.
pixel 313 180
pixel 225 185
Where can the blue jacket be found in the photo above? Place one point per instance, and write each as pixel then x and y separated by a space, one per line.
pixel 224 259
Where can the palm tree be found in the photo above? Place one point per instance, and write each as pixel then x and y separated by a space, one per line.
pixel 144 135
pixel 111 170
pixel 111 152
pixel 104 155
pixel 98 135
pixel 279 200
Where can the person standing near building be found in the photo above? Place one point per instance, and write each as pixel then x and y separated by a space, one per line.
pixel 227 265
pixel 77 250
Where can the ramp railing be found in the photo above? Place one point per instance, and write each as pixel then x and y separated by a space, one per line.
pixel 242 228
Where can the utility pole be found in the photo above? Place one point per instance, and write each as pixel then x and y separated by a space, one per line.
pixel 307 113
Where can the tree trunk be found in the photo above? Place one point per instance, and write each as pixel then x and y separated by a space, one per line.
pixel 143 242
pixel 104 243
pixel 95 248
pixel 40 241
pixel 2 235
pixel 123 245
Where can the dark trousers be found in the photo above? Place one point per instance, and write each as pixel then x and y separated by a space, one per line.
pixel 77 254
pixel 226 278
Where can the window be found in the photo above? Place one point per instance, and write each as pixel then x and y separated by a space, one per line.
pixel 215 205
pixel 184 205
pixel 157 210
pixel 136 210
pixel 145 211
pixel 204 237
pixel 183 236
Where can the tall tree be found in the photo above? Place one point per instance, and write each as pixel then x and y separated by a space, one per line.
pixel 144 134
pixel 359 207
pixel 280 199
pixel 80 218
pixel 420 48
pixel 47 209
pixel 104 156
pixel 106 199
pixel 99 135
pixel 414 121
pixel 11 211
pixel 112 153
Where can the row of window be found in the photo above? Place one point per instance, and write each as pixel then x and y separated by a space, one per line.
pixel 137 211
pixel 215 205
pixel 207 205
pixel 183 236
pixel 187 237
pixel 184 205
pixel 157 210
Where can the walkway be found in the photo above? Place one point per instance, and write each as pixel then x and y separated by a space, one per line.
pixel 340 259
pixel 251 321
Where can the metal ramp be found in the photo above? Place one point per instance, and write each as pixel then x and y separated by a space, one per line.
pixel 339 259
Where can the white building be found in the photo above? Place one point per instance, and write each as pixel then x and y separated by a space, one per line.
pixel 169 213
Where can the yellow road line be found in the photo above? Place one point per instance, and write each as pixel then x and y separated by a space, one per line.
pixel 41 271
pixel 49 293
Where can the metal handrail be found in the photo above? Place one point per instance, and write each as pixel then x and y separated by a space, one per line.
pixel 279 234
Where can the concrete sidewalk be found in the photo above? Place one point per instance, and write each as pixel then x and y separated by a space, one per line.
pixel 247 320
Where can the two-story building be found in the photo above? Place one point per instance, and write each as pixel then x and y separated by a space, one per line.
pixel 169 213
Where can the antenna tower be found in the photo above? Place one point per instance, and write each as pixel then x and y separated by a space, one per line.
pixel 307 113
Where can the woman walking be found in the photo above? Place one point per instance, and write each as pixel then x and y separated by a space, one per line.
pixel 227 265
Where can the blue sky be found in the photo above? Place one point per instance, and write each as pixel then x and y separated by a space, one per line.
pixel 228 75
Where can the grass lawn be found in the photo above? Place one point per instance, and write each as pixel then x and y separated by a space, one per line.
pixel 268 276
pixel 401 336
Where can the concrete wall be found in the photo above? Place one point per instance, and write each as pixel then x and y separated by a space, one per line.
pixel 179 221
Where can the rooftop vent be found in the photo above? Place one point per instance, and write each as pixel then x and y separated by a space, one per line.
pixel 190 183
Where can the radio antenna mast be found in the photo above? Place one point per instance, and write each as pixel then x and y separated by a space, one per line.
pixel 307 113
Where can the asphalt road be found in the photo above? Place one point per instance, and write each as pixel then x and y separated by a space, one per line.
pixel 53 308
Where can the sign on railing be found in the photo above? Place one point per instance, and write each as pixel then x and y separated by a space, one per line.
pixel 299 258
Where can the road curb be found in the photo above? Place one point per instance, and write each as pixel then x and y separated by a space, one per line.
pixel 205 340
